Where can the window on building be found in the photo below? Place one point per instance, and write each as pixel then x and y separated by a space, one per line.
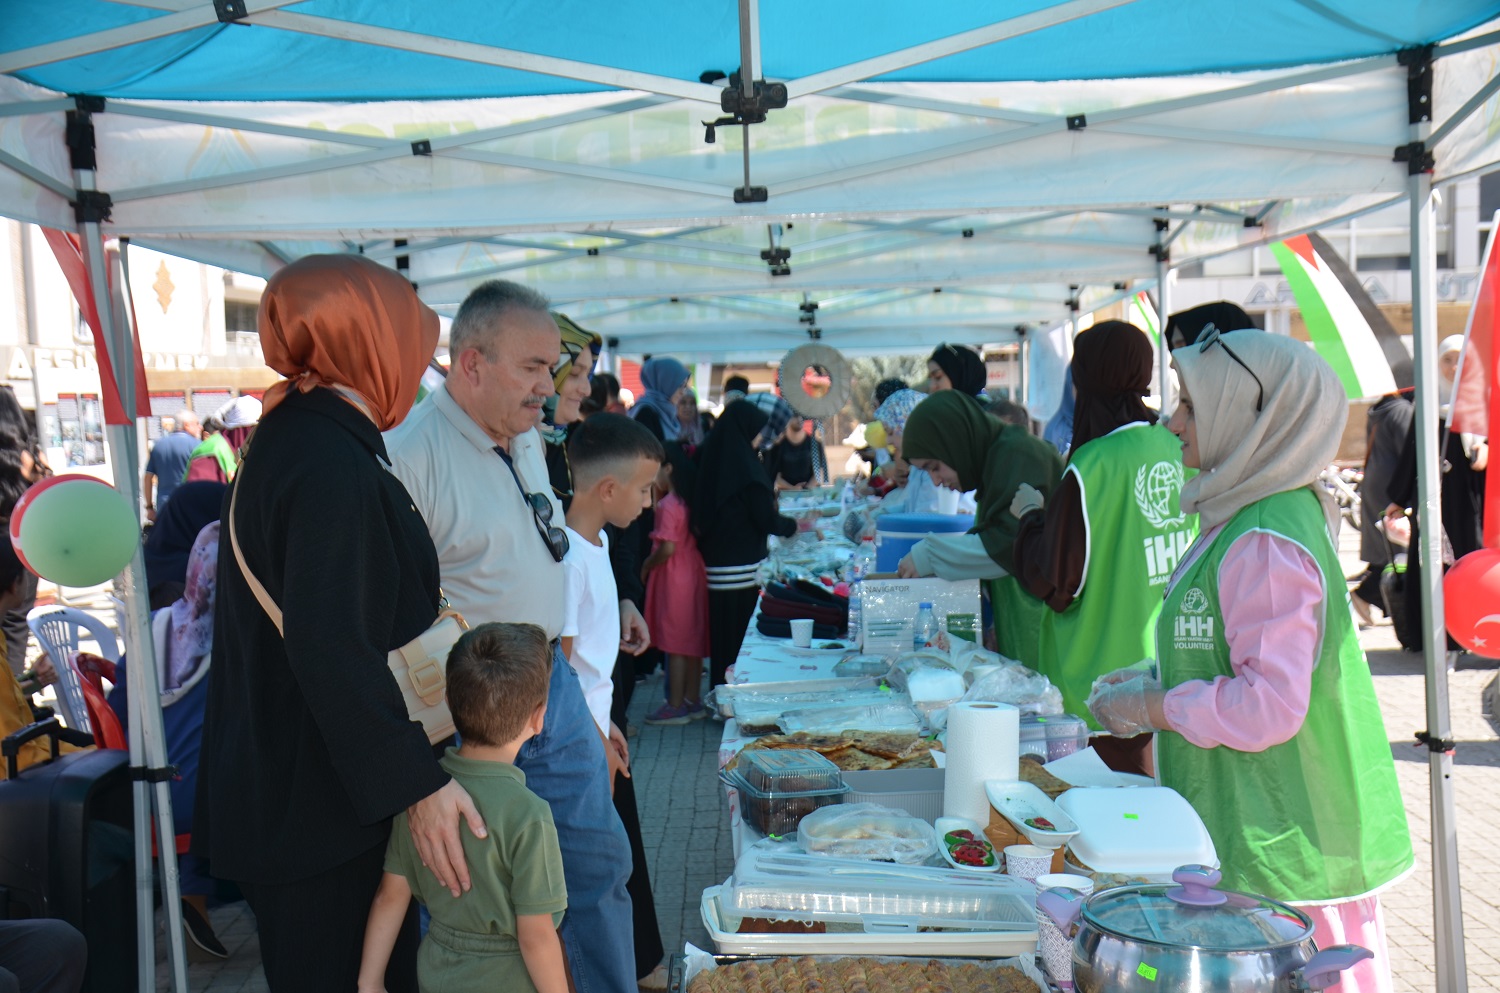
pixel 240 317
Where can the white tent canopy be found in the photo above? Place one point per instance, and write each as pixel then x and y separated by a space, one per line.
pixel 613 205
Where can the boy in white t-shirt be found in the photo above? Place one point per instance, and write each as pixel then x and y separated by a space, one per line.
pixel 614 462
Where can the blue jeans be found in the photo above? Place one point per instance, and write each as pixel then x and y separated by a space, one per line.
pixel 565 766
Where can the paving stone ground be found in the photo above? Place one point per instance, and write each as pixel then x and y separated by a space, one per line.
pixel 686 826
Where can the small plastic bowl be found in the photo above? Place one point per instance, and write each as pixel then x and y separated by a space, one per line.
pixel 943 825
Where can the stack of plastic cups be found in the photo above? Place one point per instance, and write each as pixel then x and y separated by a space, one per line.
pixel 1056 937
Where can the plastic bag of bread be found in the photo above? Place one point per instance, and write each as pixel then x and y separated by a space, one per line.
pixel 867 831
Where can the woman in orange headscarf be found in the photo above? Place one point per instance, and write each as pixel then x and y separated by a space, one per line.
pixel 307 748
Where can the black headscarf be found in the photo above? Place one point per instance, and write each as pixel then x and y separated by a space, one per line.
pixel 963 367
pixel 192 508
pixel 1189 324
pixel 727 462
pixel 1111 372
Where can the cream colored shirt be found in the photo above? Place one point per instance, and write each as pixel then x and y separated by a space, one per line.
pixel 494 565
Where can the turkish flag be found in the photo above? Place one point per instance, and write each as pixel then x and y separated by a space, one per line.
pixel 74 265
pixel 1476 404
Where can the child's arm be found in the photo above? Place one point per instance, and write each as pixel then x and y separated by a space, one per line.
pixel 567 647
pixel 542 952
pixel 659 554
pixel 616 756
pixel 387 913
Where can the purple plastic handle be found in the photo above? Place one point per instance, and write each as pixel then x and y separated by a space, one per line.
pixel 1323 969
pixel 1062 905
pixel 1196 886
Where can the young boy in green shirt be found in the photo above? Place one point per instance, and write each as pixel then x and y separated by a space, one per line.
pixel 502 934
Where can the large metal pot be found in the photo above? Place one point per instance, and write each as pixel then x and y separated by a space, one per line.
pixel 1193 938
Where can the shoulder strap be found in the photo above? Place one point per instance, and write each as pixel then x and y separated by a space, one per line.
pixel 266 603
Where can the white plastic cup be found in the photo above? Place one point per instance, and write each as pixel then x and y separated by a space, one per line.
pixel 1027 862
pixel 802 632
pixel 1066 881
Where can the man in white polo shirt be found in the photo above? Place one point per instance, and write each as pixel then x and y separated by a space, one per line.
pixel 473 462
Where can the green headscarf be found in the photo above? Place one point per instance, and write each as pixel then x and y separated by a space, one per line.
pixel 991 457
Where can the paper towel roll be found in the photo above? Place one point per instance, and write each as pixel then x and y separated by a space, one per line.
pixel 984 742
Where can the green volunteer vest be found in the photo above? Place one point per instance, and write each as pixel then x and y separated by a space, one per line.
pixel 1314 819
pixel 216 446
pixel 1018 621
pixel 1131 480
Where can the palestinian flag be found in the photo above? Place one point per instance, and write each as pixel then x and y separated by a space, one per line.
pixel 1143 315
pixel 1343 322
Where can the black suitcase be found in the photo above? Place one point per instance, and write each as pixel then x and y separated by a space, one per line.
pixel 67 850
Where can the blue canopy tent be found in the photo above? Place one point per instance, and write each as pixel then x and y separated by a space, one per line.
pixel 1024 158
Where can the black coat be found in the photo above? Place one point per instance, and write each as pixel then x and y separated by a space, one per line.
pixel 307 748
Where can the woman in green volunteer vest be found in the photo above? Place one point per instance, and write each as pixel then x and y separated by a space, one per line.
pixel 1100 552
pixel 1266 712
pixel 950 436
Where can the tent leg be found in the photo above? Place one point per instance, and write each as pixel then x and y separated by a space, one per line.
pixel 1163 353
pixel 147 738
pixel 1448 928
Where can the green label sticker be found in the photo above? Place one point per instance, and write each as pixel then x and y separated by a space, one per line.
pixel 1132 817
pixel 1146 972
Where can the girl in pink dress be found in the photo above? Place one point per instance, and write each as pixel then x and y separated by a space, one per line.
pixel 677 594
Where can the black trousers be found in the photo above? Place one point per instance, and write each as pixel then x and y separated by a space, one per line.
pixel 648 946
pixel 41 956
pixel 312 931
pixel 729 613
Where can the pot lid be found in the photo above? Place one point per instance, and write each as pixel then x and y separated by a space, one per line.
pixel 1194 914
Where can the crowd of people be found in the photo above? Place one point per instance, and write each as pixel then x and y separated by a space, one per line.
pixel 1178 582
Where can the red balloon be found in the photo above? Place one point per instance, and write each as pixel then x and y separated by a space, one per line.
pixel 1471 602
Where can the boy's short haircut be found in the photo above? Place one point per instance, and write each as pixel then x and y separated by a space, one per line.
pixel 609 445
pixel 736 384
pixel 497 677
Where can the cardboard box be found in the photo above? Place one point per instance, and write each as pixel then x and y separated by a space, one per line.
pixel 888 609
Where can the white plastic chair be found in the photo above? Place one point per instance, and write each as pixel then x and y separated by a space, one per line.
pixel 58 630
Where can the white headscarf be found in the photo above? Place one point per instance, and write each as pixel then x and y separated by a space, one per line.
pixel 1451 345
pixel 1247 456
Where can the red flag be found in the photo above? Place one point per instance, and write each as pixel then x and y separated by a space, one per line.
pixel 1475 404
pixel 70 258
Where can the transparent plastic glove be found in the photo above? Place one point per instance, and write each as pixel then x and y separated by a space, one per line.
pixel 1027 499
pixel 1127 708
pixel 1145 667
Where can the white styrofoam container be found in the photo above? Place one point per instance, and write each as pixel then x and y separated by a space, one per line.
pixel 894 941
pixel 1148 830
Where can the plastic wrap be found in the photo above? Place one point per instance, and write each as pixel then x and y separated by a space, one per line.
pixel 893 716
pixel 763 714
pixel 933 689
pixel 867 831
pixel 1026 689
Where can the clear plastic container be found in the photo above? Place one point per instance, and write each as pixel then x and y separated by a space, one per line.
pixel 862 566
pixel 1052 737
pixel 787 885
pixel 867 831
pixel 775 814
pixel 789 770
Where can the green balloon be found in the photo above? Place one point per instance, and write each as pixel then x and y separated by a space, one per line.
pixel 79 533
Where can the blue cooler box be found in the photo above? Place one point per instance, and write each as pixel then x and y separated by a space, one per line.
pixel 895 534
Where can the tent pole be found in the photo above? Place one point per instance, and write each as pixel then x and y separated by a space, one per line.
pixel 1448 928
pixel 146 736
pixel 1163 352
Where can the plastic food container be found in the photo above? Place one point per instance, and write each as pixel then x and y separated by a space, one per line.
pixel 867 831
pixel 775 813
pixel 789 885
pixel 1053 737
pixel 1140 834
pixel 943 827
pixel 789 770
pixel 895 534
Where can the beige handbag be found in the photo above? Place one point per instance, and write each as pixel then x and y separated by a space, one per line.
pixel 420 666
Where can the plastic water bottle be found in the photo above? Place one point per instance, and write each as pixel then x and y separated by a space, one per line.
pixel 925 630
pixel 862 566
